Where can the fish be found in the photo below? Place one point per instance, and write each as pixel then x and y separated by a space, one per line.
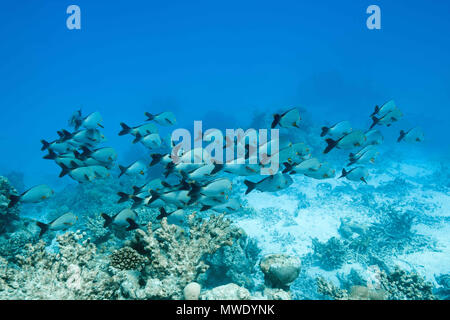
pixel 151 141
pixel 166 118
pixel 56 146
pixel 180 198
pixel 241 169
pixel 374 137
pixel 87 136
pixel 384 109
pixel 413 135
pixel 165 214
pixel 155 184
pixel 388 118
pixel 307 165
pixel 271 183
pixel 126 217
pixel 102 155
pixel 338 130
pixel 229 206
pixel 63 222
pixel 160 158
pixel 136 168
pixel 33 195
pixel 67 159
pixel 215 188
pixel 80 174
pixel 143 129
pixel 353 139
pixel 356 174
pixel 289 119
pixel 174 217
pixel 76 119
pixel 201 173
pixel 365 155
pixel 325 172
pixel 92 121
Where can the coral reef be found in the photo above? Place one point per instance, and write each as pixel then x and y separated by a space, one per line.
pixel 402 285
pixel 396 285
pixel 331 255
pixel 176 258
pixel 70 273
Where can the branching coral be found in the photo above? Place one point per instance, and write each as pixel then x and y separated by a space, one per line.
pixel 175 257
pixel 401 285
pixel 331 254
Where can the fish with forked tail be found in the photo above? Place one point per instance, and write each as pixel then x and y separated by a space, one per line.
pixel 356 174
pixel 61 223
pixel 338 130
pixel 126 217
pixel 288 119
pixel 411 136
pixel 349 141
pixel 166 118
pixel 32 195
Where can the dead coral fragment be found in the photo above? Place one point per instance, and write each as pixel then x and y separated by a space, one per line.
pixel 127 259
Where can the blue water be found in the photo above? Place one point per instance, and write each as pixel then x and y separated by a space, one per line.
pixel 222 63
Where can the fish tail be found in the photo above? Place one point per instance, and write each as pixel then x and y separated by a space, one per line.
pixel 276 120
pixel 45 145
pixel 122 170
pixel 169 169
pixel 163 213
pixel 402 135
pixel 377 109
pixel 51 155
pixel 137 189
pixel 156 158
pixel 375 121
pixel 195 190
pixel 138 138
pixel 137 201
pixel 44 228
pixel 132 225
pixel 217 168
pixel 204 208
pixel 108 220
pixel 250 186
pixel 125 129
pixel 13 200
pixel 324 131
pixel 288 167
pixel 331 144
pixel 344 173
pixel 155 196
pixel 123 197
pixel 64 170
pixel 149 116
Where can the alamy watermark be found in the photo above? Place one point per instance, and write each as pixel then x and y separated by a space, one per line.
pixel 74 20
pixel 374 20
